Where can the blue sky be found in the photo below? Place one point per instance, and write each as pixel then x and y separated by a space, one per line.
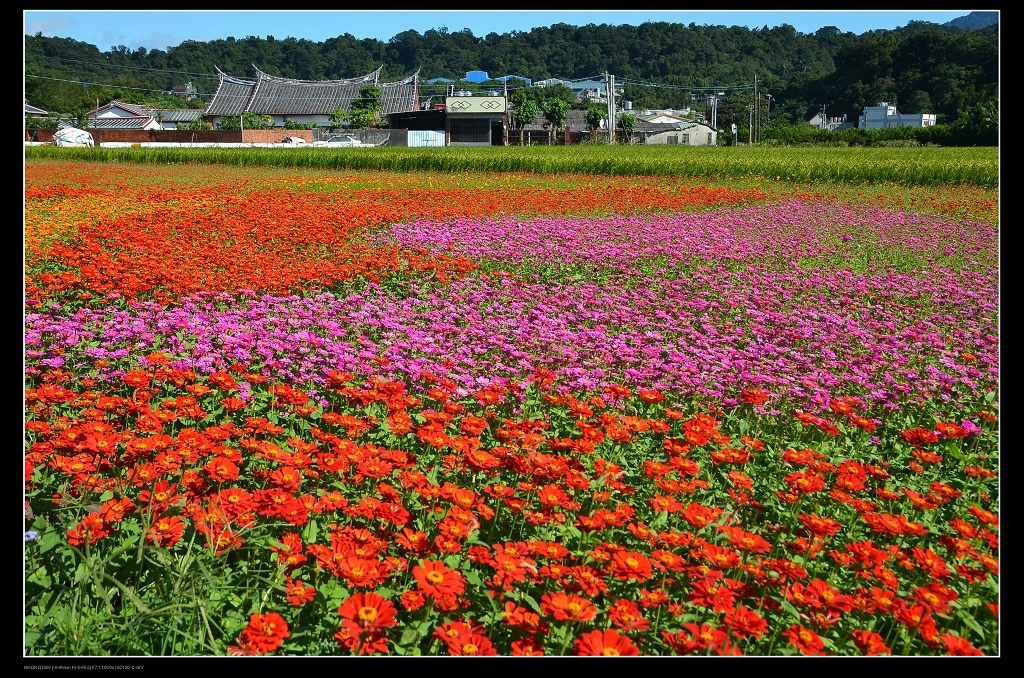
pixel 163 29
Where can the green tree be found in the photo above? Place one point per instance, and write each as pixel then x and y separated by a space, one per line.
pixel 628 122
pixel 366 109
pixel 595 114
pixel 555 112
pixel 339 118
pixel 525 108
pixel 978 125
pixel 256 121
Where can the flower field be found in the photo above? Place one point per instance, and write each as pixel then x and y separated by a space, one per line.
pixel 310 411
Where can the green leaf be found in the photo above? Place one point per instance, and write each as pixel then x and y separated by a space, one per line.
pixel 40 577
pixel 531 602
pixel 788 607
pixel 309 532
pixel 49 540
pixel 971 622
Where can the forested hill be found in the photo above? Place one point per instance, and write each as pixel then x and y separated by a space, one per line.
pixel 921 68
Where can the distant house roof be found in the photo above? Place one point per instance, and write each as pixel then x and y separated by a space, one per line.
pixel 476 76
pixel 32 110
pixel 119 109
pixel 142 122
pixel 436 80
pixel 270 94
pixel 176 114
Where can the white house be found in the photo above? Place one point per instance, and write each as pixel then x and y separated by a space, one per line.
pixel 686 133
pixel 667 115
pixel 834 123
pixel 119 115
pixel 885 115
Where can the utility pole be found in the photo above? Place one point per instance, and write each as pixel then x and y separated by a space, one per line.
pixel 609 83
pixel 755 114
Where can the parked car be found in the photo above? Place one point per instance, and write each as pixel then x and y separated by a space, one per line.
pixel 341 141
pixel 295 141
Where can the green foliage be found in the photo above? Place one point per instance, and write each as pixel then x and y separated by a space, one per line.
pixel 40 123
pixel 628 123
pixel 525 106
pixel 595 114
pixel 555 112
pixel 366 109
pixel 255 121
pixel 339 118
pixel 978 125
pixel 198 124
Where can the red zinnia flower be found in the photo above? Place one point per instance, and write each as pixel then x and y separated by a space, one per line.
pixel 437 580
pixel 265 632
pixel 607 643
pixel 369 611
pixel 298 592
pixel 805 640
pixel 566 607
pixel 630 565
pixel 870 643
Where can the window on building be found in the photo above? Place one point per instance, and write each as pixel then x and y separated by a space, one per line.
pixel 672 139
pixel 686 139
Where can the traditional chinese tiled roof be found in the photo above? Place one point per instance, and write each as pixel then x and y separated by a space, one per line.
pixel 134 122
pixel 274 95
pixel 176 114
pixel 32 110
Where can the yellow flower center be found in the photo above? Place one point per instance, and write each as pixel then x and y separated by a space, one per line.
pixel 435 577
pixel 469 648
pixel 610 652
pixel 367 614
pixel 632 562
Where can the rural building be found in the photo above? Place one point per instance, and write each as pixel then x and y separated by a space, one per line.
pixel 681 133
pixel 834 124
pixel 304 101
pixel 885 115
pixel 476 120
pixel 119 115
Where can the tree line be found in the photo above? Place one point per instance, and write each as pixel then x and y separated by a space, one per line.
pixel 920 68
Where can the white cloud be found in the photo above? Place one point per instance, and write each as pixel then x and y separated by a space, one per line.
pixel 49 26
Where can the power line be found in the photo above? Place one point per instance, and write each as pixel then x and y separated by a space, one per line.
pixel 130 68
